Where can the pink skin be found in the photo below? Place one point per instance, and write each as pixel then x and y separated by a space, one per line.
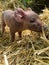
pixel 27 15
pixel 20 20
pixel 19 15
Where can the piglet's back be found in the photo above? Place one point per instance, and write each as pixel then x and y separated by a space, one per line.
pixel 7 16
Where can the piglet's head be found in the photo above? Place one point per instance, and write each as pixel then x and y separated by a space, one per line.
pixel 31 18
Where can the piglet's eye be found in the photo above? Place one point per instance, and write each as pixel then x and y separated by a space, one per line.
pixel 32 21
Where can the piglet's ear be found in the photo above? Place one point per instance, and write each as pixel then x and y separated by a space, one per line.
pixel 21 11
pixel 29 8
